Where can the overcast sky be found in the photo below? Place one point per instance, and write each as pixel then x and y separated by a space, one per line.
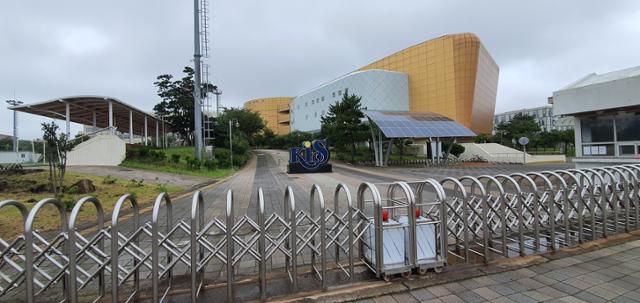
pixel 261 48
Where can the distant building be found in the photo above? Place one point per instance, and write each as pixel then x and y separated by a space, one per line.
pixel 543 115
pixel 274 111
pixel 606 111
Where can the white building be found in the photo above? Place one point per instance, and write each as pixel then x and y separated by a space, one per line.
pixel 380 90
pixel 606 110
pixel 543 115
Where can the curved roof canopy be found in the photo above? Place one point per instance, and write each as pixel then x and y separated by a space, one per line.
pixel 93 111
pixel 417 125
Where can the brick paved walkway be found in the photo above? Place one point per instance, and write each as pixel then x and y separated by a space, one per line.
pixel 606 275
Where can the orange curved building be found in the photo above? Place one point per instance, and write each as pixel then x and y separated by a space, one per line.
pixel 274 111
pixel 453 75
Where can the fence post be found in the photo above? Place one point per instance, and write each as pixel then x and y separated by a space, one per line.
pixel 262 245
pixel 197 253
pixel 230 245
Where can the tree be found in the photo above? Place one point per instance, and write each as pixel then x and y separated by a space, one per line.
pixel 401 143
pixel 520 126
pixel 265 139
pixel 177 106
pixel 249 123
pixel 57 147
pixel 342 125
pixel 482 138
pixel 6 144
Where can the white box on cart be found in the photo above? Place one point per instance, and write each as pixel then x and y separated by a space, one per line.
pixel 425 238
pixel 393 244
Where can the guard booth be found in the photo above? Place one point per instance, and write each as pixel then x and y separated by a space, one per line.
pixel 434 128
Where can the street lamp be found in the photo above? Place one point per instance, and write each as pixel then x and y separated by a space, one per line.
pixel 232 123
pixel 15 121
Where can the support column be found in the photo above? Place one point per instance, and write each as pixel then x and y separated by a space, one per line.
pixel 164 135
pixel 68 117
pixel 374 143
pixel 145 131
pixel 381 148
pixel 130 127
pixel 95 124
pixel 157 134
pixel 110 113
pixel 386 157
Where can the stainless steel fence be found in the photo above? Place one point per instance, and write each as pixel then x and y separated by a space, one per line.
pixel 392 228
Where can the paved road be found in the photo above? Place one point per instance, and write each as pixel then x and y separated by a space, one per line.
pixel 606 275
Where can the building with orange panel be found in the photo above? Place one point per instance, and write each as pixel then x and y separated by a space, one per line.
pixel 453 75
pixel 274 111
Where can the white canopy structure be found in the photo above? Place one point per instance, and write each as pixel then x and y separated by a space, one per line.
pixel 100 112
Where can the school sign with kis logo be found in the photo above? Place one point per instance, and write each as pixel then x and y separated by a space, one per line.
pixel 312 157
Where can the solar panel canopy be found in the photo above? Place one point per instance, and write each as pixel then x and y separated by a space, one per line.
pixel 417 125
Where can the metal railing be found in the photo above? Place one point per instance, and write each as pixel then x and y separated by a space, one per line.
pixel 467 219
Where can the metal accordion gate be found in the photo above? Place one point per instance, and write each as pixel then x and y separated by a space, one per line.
pixel 389 228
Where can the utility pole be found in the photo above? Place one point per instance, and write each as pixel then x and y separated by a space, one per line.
pixel 15 123
pixel 197 81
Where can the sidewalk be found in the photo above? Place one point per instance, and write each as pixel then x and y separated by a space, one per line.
pixel 606 275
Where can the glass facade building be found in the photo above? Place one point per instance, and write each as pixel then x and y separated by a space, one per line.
pixel 453 75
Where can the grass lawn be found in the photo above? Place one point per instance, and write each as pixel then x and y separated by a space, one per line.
pixel 178 168
pixel 165 167
pixel 19 187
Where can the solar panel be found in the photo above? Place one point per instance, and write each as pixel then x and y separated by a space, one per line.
pixel 417 125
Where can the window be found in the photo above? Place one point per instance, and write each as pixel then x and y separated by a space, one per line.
pixel 627 128
pixel 313 101
pixel 298 106
pixel 339 93
pixel 346 91
pixel 305 104
pixel 315 115
pixel 306 117
pixel 597 129
pixel 323 113
pixel 333 94
pixel 598 150
pixel 322 98
pixel 626 150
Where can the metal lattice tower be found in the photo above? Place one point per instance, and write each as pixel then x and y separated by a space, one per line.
pixel 207 122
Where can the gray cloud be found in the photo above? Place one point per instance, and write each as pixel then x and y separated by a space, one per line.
pixel 50 49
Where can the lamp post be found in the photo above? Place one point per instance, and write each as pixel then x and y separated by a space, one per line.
pixel 232 123
pixel 15 121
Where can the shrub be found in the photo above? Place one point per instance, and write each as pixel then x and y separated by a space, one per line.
pixel 136 183
pixel 222 156
pixel 109 180
pixel 210 164
pixel 456 149
pixel 162 188
pixel 175 158
pixel 193 163
pixel 157 156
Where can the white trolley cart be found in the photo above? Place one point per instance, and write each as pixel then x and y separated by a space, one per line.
pixel 383 245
